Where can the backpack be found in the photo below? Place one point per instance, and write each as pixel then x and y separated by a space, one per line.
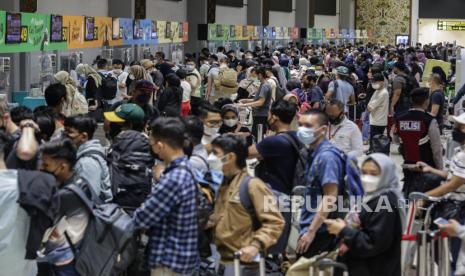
pixel 352 180
pixel 108 240
pixel 130 164
pixel 247 203
pixel 77 103
pixel 94 154
pixel 109 86
pixel 301 165
pixel 205 205
pixel 280 91
pixel 410 84
pixel 227 81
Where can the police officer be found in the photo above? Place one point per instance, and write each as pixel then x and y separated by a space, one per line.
pixel 420 141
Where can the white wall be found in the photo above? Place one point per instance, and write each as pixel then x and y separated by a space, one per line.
pixel 283 19
pixel 428 33
pixel 73 7
pixel 167 10
pixel 231 15
pixel 328 21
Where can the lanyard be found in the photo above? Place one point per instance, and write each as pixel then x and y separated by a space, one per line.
pixel 334 135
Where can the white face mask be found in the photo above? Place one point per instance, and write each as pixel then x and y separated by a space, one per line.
pixel 190 67
pixel 370 183
pixel 214 162
pixel 306 135
pixel 376 86
pixel 231 122
pixel 211 131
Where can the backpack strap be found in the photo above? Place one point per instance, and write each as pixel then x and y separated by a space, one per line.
pixel 246 201
pixel 291 141
pixel 202 159
pixel 82 196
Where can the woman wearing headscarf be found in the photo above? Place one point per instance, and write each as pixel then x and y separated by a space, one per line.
pixel 75 102
pixel 372 238
pixel 92 88
pixel 136 73
pixel 232 124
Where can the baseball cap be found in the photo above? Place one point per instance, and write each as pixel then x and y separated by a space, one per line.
pixel 458 119
pixel 126 112
pixel 342 70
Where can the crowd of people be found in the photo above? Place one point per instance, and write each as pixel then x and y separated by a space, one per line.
pixel 175 147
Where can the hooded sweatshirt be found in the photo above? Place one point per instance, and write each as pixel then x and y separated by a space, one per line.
pixel 92 167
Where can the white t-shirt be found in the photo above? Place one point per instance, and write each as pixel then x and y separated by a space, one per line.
pixel 213 74
pixel 380 105
pixel 273 83
pixel 186 91
pixel 347 137
pixel 121 76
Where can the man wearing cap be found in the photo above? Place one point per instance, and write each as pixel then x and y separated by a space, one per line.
pixel 128 116
pixel 420 138
pixel 340 89
pixel 142 95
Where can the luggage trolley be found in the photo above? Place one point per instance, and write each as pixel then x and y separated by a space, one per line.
pixel 419 256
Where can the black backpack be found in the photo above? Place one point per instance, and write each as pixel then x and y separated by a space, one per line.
pixel 108 243
pixel 109 86
pixel 410 84
pixel 130 163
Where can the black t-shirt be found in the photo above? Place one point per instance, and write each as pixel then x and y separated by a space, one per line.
pixel 225 129
pixel 280 159
pixel 438 98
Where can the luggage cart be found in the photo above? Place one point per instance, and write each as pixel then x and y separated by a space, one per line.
pixel 419 256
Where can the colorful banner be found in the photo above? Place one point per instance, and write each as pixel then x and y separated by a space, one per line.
pixel 239 32
pixel 27 32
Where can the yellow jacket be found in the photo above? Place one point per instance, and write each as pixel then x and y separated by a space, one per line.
pixel 233 224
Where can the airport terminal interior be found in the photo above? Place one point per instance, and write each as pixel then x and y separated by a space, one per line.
pixel 232 137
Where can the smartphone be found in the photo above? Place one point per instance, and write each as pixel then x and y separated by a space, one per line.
pixel 441 221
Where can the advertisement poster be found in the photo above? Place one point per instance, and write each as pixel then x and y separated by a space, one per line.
pixel 161 27
pixel 239 35
pixel 250 32
pixel 211 31
pixel 127 30
pixel 185 37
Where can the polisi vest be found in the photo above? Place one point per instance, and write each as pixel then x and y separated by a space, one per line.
pixel 413 129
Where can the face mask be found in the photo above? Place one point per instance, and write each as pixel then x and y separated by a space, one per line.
pixel 458 136
pixel 118 71
pixel 215 163
pixel 376 86
pixel 370 183
pixel 211 131
pixel 306 135
pixel 190 67
pixel 318 73
pixel 336 121
pixel 231 122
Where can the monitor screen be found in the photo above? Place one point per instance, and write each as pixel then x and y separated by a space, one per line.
pixel 89 28
pixel 168 30
pixel 402 39
pixel 137 30
pixel 13 28
pixel 57 28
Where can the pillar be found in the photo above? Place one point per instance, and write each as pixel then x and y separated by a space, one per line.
pixel 302 13
pixel 196 14
pixel 256 14
pixel 121 8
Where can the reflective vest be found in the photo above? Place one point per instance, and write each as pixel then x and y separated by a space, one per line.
pixel 413 129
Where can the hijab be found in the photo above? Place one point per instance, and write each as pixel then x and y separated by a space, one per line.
pixel 389 182
pixel 88 71
pixel 139 73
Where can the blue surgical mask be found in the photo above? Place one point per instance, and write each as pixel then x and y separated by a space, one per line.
pixel 306 135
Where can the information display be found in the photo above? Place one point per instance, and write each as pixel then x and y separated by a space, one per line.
pixel 57 28
pixel 451 25
pixel 13 28
pixel 89 29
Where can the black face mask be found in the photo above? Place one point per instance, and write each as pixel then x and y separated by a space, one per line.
pixel 143 98
pixel 336 121
pixel 458 136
